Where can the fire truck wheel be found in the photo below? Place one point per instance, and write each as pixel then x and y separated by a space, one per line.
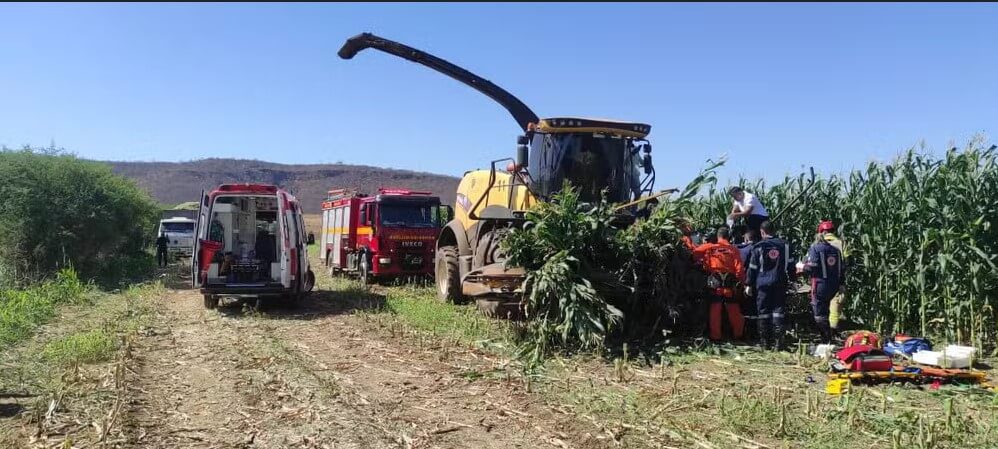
pixel 210 301
pixel 448 276
pixel 365 277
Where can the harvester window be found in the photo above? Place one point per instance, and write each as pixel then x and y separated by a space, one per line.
pixel 592 163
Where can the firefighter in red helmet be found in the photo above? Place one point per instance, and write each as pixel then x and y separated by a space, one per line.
pixel 826 230
pixel 825 267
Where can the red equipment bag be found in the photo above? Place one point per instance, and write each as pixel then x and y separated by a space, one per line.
pixel 863 338
pixel 865 358
pixel 208 250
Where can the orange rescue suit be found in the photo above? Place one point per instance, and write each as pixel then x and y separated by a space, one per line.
pixel 723 258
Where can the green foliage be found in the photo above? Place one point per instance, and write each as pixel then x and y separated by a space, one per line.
pixel 59 211
pixel 921 236
pixel 568 252
pixel 920 232
pixel 420 309
pixel 95 345
pixel 659 267
pixel 588 279
pixel 21 311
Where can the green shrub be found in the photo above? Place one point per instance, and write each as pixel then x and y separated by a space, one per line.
pixel 59 211
pixel 21 311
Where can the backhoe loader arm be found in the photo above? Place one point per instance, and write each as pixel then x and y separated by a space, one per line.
pixel 520 112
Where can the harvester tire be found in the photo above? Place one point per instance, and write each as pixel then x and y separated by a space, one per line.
pixel 448 276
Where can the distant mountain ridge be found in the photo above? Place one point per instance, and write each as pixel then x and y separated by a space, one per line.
pixel 173 183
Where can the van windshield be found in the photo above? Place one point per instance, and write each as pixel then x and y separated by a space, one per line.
pixel 181 228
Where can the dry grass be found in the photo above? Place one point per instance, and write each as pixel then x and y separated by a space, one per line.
pixel 71 372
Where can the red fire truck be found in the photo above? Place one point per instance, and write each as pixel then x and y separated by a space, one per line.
pixel 387 235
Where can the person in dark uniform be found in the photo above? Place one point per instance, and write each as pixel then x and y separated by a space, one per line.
pixel 769 273
pixel 161 254
pixel 748 238
pixel 825 266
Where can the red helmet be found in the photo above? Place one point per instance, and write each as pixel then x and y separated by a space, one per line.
pixel 826 226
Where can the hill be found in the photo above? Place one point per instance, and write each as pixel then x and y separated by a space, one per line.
pixel 173 183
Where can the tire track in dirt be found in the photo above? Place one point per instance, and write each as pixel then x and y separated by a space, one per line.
pixel 320 377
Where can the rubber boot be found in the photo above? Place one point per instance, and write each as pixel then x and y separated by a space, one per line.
pixel 824 329
pixel 778 334
pixel 765 331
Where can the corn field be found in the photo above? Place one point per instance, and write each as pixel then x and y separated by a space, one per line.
pixel 920 234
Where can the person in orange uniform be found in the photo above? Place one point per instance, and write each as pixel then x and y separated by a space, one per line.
pixel 725 270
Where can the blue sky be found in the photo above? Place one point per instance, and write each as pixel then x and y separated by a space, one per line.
pixel 774 86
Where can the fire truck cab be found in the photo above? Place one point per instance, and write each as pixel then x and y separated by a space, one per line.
pixel 250 241
pixel 387 235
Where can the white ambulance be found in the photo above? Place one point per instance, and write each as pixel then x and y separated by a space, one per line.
pixel 250 243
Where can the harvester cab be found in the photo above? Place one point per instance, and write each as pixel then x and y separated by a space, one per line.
pixel 603 159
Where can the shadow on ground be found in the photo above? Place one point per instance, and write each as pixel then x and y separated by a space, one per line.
pixel 315 305
pixel 8 410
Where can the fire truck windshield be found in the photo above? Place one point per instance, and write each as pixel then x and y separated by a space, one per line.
pixel 408 215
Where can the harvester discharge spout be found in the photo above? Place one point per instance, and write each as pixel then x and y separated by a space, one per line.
pixel 520 112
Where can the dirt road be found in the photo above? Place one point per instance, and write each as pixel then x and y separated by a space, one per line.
pixel 319 376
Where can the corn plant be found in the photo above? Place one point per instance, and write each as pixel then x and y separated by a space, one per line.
pixel 588 279
pixel 921 238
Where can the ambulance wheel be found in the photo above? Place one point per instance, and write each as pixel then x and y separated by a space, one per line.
pixel 365 275
pixel 448 276
pixel 309 282
pixel 210 301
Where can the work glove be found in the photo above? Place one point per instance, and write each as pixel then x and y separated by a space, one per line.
pixel 748 291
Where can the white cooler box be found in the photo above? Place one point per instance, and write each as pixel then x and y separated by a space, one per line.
pixel 953 356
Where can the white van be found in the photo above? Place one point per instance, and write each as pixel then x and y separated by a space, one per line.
pixel 250 242
pixel 180 232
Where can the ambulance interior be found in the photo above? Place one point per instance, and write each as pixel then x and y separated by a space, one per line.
pixel 247 226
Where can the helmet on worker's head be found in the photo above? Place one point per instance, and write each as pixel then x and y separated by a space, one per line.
pixel 826 226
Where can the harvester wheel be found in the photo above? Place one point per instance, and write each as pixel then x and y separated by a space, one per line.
pixel 210 301
pixel 448 276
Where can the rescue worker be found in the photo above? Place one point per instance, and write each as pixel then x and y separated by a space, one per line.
pixel 827 231
pixel 725 271
pixel 747 206
pixel 749 238
pixel 161 244
pixel 768 274
pixel 826 270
